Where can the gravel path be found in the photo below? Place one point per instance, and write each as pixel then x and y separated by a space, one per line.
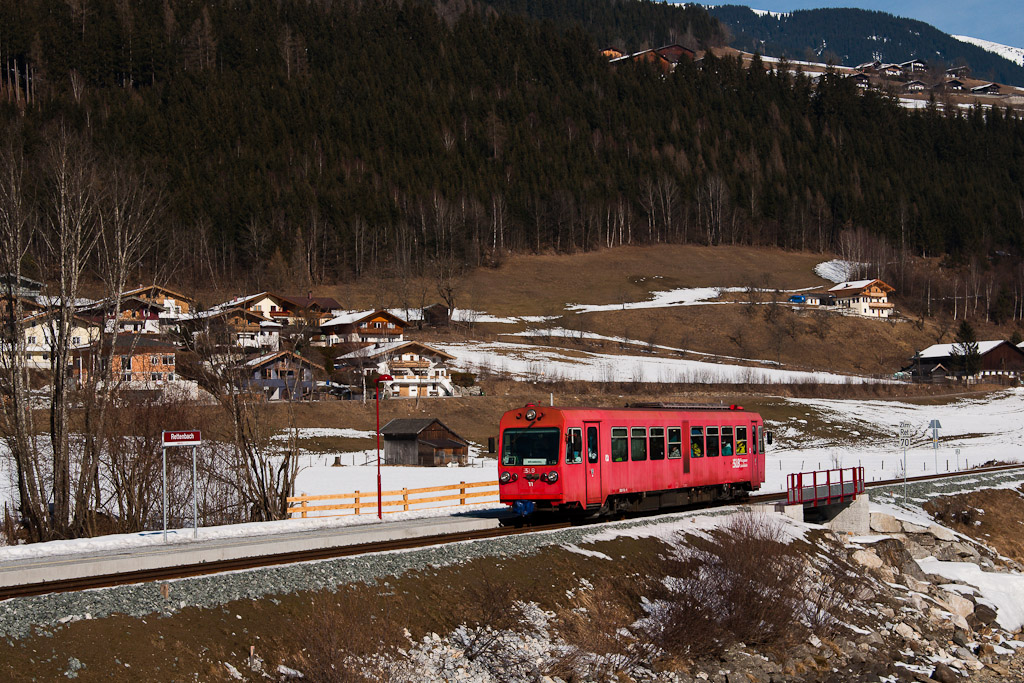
pixel 19 615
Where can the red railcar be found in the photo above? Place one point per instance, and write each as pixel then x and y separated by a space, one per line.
pixel 600 460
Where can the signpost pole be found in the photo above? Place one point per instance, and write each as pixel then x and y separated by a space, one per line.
pixel 195 504
pixel 163 452
pixel 904 444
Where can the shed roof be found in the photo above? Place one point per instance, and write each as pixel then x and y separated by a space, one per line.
pixel 946 350
pixel 411 427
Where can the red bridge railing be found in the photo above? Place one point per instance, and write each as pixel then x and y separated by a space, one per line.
pixel 824 487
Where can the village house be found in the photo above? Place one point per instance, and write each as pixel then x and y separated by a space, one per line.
pixel 1000 360
pixel 281 376
pixel 914 66
pixel 366 327
pixel 427 442
pixel 864 297
pixel 951 85
pixel 134 316
pixel 914 86
pixel 861 80
pixel 137 361
pixel 986 89
pixel 891 70
pixel 418 370
pixel 175 305
pixel 22 287
pixel 40 332
pixel 237 327
pixel 287 310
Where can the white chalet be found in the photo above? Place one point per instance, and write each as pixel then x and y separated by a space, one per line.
pixel 864 297
pixel 418 369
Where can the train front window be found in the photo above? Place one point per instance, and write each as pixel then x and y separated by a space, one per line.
pixel 537 446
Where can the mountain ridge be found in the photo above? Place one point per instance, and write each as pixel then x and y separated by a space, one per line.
pixel 853 36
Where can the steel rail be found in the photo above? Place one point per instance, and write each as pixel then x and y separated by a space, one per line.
pixel 260 561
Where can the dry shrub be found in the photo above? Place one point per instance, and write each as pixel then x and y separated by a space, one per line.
pixel 744 585
pixel 602 628
pixel 350 639
pixel 953 510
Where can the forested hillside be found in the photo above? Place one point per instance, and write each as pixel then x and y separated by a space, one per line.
pixel 856 36
pixel 296 142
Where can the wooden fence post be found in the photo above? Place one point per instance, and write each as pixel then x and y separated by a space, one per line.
pixel 357 502
pixel 405 499
pixel 462 492
pixel 302 504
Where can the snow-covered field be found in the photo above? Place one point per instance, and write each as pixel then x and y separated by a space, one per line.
pixel 980 429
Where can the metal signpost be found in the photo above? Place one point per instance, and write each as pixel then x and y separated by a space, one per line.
pixel 904 444
pixel 173 439
pixel 936 425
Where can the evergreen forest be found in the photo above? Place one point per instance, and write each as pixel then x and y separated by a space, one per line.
pixel 316 141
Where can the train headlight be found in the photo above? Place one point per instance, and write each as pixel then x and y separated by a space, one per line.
pixel 531 414
pixel 505 477
pixel 551 477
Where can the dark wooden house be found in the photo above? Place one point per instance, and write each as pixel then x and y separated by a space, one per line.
pixel 427 442
pixel 1000 360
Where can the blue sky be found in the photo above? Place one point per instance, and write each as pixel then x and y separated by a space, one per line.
pixel 1001 21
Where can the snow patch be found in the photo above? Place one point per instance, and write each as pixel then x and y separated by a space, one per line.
pixel 1014 54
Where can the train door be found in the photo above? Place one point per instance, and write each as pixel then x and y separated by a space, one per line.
pixel 686 449
pixel 595 496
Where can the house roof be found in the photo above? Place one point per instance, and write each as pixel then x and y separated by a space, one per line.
pixel 856 286
pixel 410 427
pixel 946 350
pixel 354 317
pixel 225 312
pixel 157 288
pixel 263 359
pixel 135 344
pixel 393 347
pixel 325 303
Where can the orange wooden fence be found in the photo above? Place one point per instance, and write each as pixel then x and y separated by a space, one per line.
pixel 400 499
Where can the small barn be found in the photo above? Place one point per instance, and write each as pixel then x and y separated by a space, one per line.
pixel 426 442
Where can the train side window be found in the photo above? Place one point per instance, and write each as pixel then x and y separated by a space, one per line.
pixel 638 443
pixel 760 440
pixel 620 444
pixel 727 441
pixel 741 441
pixel 675 443
pixel 592 444
pixel 657 443
pixel 712 440
pixel 574 446
pixel 697 442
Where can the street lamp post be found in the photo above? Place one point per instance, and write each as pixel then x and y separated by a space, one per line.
pixel 376 386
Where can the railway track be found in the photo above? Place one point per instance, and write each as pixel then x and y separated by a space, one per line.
pixel 214 567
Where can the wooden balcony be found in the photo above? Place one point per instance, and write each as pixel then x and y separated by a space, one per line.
pixel 409 364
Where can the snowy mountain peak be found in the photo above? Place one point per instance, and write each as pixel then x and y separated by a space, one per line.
pixel 1014 54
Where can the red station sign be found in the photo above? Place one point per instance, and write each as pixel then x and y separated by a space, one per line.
pixel 187 438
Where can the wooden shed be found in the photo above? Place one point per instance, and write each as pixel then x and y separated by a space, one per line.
pixel 427 442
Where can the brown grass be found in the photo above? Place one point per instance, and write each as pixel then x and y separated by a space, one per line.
pixel 993 516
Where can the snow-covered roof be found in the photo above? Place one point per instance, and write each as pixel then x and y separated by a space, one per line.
pixel 390 347
pixel 945 350
pixel 346 318
pixel 237 301
pixel 853 284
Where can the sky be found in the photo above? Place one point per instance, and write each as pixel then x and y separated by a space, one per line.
pixel 1001 21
